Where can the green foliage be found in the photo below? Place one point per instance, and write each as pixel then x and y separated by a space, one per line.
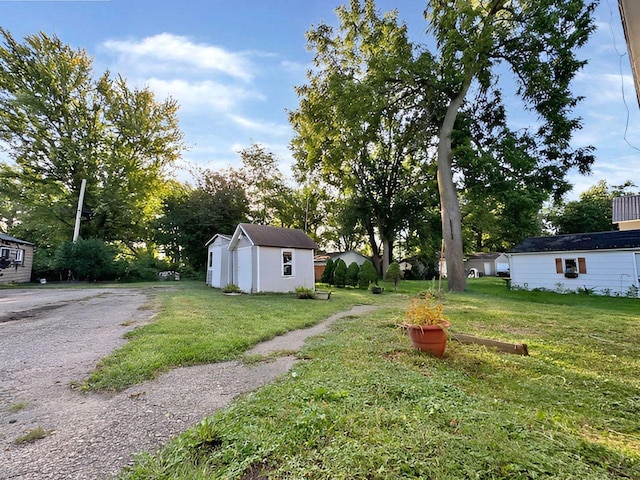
pixel 591 213
pixel 192 216
pixel 89 259
pixel 327 273
pixel 367 275
pixel 144 267
pixel 353 270
pixel 352 123
pixel 393 274
pixel 231 288
pixel 61 123
pixel 305 293
pixel 340 273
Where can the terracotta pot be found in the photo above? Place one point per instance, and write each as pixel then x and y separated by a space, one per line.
pixel 428 338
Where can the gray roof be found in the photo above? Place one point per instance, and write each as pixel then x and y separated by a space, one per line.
pixel 626 208
pixel 268 236
pixel 8 238
pixel 484 256
pixel 581 241
pixel 221 235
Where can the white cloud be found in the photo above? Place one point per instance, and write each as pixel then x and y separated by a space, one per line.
pixel 165 48
pixel 262 127
pixel 194 95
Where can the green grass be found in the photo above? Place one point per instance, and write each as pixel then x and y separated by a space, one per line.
pixel 31 436
pixel 197 324
pixel 364 404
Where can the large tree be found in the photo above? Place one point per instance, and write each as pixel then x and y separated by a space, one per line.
pixel 191 216
pixel 360 118
pixel 537 41
pixel 60 125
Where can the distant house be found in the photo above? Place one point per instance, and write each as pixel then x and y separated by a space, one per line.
pixel 261 258
pixel 491 264
pixel 16 260
pixel 218 261
pixel 606 262
pixel 350 256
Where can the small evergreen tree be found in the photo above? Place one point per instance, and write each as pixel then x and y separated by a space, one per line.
pixel 340 273
pixel 352 274
pixel 394 275
pixel 327 273
pixel 367 275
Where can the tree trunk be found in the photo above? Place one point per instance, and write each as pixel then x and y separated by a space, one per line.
pixel 375 257
pixel 449 204
pixel 386 255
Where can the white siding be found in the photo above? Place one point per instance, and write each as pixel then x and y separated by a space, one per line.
pixel 271 278
pixel 244 267
pixel 218 270
pixel 611 271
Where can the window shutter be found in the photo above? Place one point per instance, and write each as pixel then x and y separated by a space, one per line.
pixel 582 265
pixel 559 268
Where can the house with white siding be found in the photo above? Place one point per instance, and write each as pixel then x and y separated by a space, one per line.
pixel 608 263
pixel 262 258
pixel 16 260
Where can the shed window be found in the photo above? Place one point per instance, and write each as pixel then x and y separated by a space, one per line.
pixel 287 263
pixel 210 259
pixel 571 267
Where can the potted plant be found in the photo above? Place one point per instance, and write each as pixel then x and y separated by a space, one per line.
pixel 426 325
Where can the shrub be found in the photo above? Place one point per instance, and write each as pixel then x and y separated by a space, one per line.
pixel 340 273
pixel 327 273
pixel 305 293
pixel 367 275
pixel 89 259
pixel 352 274
pixel 393 274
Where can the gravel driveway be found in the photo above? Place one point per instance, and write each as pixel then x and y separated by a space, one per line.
pixel 51 338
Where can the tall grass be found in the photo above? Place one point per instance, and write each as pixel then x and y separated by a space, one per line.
pixel 364 404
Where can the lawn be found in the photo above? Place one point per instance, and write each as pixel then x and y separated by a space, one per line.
pixel 363 404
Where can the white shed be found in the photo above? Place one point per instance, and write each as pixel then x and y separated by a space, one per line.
pixel 270 259
pixel 218 261
pixel 492 264
pixel 606 262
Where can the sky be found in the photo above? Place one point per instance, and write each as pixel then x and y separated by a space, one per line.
pixel 232 65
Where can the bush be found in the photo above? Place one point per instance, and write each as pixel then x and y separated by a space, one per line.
pixel 89 259
pixel 340 273
pixel 393 274
pixel 144 268
pixel 367 275
pixel 327 273
pixel 352 274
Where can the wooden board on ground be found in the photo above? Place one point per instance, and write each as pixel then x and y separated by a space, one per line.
pixel 515 348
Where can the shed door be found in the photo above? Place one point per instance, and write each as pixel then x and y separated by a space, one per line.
pixel 244 269
pixel 488 270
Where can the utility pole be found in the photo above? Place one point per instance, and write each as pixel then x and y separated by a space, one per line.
pixel 76 230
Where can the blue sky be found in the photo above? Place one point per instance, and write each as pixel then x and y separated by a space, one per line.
pixel 232 66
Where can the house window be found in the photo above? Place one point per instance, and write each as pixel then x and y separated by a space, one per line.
pixel 210 259
pixel 5 252
pixel 287 263
pixel 571 267
pixel 20 256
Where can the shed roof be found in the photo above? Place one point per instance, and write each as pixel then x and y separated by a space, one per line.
pixel 221 235
pixel 485 256
pixel 581 241
pixel 8 238
pixel 269 236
